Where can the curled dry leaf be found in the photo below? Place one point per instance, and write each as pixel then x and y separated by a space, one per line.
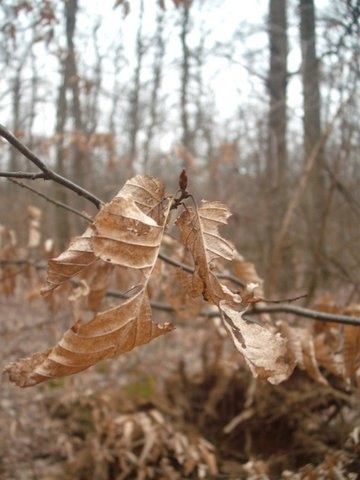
pixel 140 195
pixel 199 233
pixel 123 235
pixel 302 347
pixel 264 351
pixel 34 215
pixel 107 335
pixel 351 351
pixel 69 263
pixel 98 283
pixel 127 233
pixel 182 294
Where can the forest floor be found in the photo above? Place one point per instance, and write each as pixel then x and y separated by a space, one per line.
pixel 183 407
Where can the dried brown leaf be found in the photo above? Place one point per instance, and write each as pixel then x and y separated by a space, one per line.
pixel 124 235
pixel 107 335
pixel 34 215
pixel 199 233
pixel 351 350
pixel 140 196
pixel 98 284
pixel 301 346
pixel 183 294
pixel 69 263
pixel 264 351
pixel 147 192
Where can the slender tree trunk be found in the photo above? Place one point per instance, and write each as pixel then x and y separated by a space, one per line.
pixel 157 72
pixel 33 98
pixel 315 194
pixel 62 224
pixel 79 149
pixel 277 83
pixel 16 123
pixel 276 167
pixel 135 95
pixel 69 80
pixel 185 77
pixel 92 114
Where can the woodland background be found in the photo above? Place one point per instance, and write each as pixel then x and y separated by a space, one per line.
pixel 143 87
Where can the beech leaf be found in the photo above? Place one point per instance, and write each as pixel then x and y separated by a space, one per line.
pixel 263 350
pixel 199 233
pixel 302 347
pixel 107 335
pixel 69 263
pixel 123 234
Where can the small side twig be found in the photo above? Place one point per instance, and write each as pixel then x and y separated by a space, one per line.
pixel 254 310
pixel 47 173
pixel 27 175
pixel 51 200
pixel 305 312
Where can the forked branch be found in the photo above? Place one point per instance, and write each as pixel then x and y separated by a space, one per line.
pixel 47 173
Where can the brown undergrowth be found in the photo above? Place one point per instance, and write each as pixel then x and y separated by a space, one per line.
pixel 184 407
pixel 169 413
pixel 203 418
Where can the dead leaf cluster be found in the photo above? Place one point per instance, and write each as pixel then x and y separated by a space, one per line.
pixel 122 248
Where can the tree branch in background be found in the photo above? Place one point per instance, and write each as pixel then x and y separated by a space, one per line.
pixel 254 310
pixel 51 200
pixel 48 173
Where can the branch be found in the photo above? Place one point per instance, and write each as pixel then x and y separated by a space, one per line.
pixel 51 200
pixel 254 310
pixel 305 312
pixel 48 173
pixel 190 269
pixel 28 175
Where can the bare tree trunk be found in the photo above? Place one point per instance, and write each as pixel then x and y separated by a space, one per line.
pixel 33 98
pixel 92 113
pixel 15 104
pixel 185 77
pixel 315 195
pixel 79 143
pixel 135 94
pixel 62 224
pixel 157 71
pixel 277 151
pixel 69 79
pixel 277 84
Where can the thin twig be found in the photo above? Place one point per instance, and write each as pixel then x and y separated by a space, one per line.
pixel 28 175
pixel 256 310
pixel 48 173
pixel 305 312
pixel 253 310
pixel 51 200
pixel 190 269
